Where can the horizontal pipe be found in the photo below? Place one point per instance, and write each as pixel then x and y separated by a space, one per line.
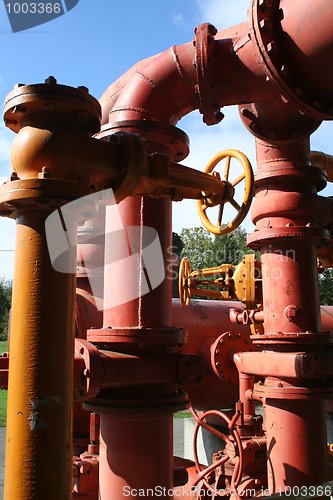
pixel 324 161
pixel 69 156
pixel 291 365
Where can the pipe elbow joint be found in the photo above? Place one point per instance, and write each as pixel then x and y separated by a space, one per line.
pixel 36 151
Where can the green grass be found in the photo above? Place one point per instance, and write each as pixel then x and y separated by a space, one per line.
pixel 3 393
pixel 3 346
pixel 3 407
pixel 182 414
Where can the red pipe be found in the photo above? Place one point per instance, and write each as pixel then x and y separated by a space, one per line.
pixel 308 40
pixel 152 309
pixel 135 453
pixel 162 88
pixel 296 443
pixel 236 66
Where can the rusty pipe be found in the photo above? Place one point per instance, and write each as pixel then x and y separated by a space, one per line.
pixel 299 366
pixel 39 412
pixel 296 443
pixel 130 436
pixel 153 309
pixel 162 88
pixel 144 91
pixel 40 396
pixel 307 39
pixel 168 86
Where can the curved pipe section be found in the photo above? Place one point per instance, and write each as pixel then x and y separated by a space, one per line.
pixel 164 88
pixel 246 65
pixel 243 65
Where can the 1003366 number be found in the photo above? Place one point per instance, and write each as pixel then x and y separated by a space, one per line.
pixel 33 8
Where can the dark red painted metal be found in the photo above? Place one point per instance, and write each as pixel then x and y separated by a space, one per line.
pixel 296 442
pixel 153 309
pixel 135 453
pixel 287 235
pixel 262 64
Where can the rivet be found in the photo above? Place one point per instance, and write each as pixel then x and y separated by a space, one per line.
pixel 18 109
pixel 13 176
pixel 51 80
pixel 247 113
pixel 271 47
pixel 84 89
pixel 265 24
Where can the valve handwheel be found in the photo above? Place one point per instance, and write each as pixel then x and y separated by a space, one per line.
pixel 184 287
pixel 229 193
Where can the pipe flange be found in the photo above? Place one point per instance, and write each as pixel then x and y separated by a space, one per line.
pixel 134 156
pixel 265 19
pixel 279 389
pixel 308 174
pixel 262 237
pixel 91 375
pixel 297 338
pixel 49 194
pixel 222 354
pixel 130 407
pixel 52 104
pixel 142 338
pixel 175 141
pixel 266 128
pixel 203 63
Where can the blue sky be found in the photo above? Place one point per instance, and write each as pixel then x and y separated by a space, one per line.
pixel 98 40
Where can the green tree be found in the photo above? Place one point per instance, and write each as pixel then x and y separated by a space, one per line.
pixel 5 304
pixel 198 247
pixel 326 287
pixel 204 250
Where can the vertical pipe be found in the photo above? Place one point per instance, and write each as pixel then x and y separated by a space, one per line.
pixel 136 450
pixel 39 417
pixel 154 308
pixel 246 383
pixel 289 270
pixel 136 454
pixel 296 443
pixel 283 213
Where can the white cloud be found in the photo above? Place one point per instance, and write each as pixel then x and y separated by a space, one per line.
pixel 178 20
pixel 223 13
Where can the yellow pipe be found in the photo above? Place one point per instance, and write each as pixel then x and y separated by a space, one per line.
pixel 39 420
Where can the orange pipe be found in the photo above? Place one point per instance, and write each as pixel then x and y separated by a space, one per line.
pixel 39 419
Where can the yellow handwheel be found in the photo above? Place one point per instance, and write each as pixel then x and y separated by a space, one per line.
pixel 228 196
pixel 185 293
